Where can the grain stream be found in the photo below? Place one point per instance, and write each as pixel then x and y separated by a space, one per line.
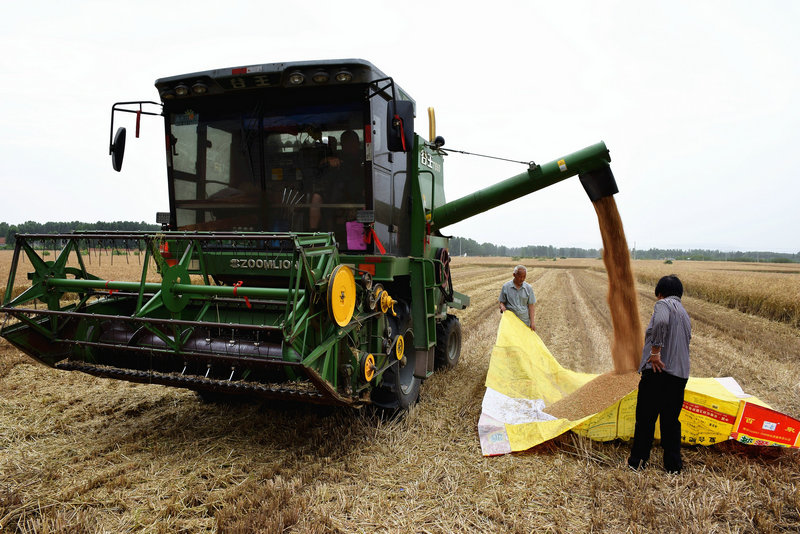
pixel 628 339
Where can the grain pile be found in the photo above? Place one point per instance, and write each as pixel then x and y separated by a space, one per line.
pixel 594 396
pixel 628 338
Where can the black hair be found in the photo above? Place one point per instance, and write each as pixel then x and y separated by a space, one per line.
pixel 669 286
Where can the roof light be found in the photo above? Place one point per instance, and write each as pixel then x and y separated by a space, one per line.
pixel 181 90
pixel 320 77
pixel 343 76
pixel 167 94
pixel 296 78
pixel 199 88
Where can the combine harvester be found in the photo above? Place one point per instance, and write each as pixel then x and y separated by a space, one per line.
pixel 301 257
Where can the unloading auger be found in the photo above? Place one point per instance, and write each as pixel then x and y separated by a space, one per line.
pixel 301 257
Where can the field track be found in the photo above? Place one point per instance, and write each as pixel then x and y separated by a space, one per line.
pixel 82 454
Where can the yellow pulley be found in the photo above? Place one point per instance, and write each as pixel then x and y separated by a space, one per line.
pixel 399 347
pixel 385 301
pixel 341 295
pixel 368 367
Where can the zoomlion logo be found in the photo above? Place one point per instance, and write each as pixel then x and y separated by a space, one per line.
pixel 253 263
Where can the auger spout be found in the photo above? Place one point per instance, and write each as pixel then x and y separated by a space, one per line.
pixel 590 163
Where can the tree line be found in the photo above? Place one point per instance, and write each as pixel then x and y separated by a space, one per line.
pixel 461 245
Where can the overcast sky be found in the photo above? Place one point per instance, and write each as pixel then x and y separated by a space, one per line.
pixel 698 102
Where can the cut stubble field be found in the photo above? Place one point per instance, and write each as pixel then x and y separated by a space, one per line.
pixel 83 454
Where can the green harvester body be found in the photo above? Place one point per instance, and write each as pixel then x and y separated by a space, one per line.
pixel 302 256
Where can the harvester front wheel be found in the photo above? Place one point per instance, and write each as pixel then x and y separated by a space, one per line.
pixel 400 388
pixel 448 342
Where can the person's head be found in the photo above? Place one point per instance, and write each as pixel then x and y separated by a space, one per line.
pixel 520 272
pixel 350 142
pixel 669 286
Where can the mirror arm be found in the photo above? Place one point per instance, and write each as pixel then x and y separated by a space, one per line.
pixel 139 112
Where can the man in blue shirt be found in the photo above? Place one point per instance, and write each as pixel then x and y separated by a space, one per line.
pixel 517 296
pixel 665 371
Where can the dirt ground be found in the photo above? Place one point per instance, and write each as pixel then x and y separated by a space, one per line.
pixel 83 454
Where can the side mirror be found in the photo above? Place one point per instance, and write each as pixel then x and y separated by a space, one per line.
pixel 400 125
pixel 118 149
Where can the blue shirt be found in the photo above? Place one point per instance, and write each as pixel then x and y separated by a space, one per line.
pixel 670 329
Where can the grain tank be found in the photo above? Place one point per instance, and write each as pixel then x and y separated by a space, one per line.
pixel 302 255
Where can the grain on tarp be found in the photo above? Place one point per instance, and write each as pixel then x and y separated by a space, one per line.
pixel 594 396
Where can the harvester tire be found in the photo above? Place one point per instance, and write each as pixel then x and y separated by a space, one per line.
pixel 448 342
pixel 400 388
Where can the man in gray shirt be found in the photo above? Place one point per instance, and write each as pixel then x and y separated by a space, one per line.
pixel 665 371
pixel 517 296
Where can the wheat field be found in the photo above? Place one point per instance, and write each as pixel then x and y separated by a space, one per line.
pixel 84 454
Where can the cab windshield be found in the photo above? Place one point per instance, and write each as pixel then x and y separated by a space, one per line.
pixel 300 168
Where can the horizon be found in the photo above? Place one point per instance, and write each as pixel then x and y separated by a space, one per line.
pixel 632 249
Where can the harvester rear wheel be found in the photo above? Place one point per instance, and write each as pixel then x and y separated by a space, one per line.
pixel 448 342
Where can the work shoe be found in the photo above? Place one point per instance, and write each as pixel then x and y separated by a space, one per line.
pixel 636 464
pixel 673 470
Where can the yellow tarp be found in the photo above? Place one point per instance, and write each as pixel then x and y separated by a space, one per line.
pixel 524 378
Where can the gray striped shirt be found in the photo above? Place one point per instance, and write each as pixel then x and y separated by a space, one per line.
pixel 517 299
pixel 670 329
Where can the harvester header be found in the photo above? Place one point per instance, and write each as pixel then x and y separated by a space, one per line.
pixel 301 256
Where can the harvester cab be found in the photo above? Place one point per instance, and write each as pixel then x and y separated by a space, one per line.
pixel 301 257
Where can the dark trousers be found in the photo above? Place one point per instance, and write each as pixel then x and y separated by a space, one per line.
pixel 660 395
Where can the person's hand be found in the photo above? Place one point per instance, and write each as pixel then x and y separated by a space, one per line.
pixel 655 361
pixel 502 307
pixel 533 326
